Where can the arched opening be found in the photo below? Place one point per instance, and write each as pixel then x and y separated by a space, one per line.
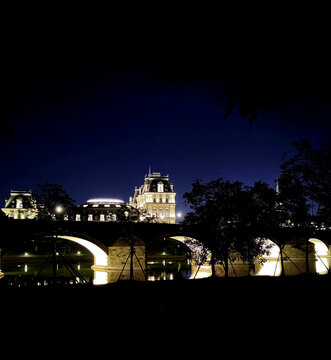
pixel 177 256
pixel 321 256
pixel 31 261
pixel 100 258
pixel 200 267
pixel 271 265
pixel 168 259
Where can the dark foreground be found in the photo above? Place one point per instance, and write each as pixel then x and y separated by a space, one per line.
pixel 252 307
pixel 248 297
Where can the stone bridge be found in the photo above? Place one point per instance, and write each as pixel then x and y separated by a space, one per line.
pixel 109 243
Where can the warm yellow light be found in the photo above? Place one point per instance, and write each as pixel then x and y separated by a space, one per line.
pixel 203 272
pixel 321 255
pixel 272 266
pixel 59 209
pixel 100 257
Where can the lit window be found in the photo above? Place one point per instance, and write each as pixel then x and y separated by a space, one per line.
pixel 160 186
pixel 102 217
pixel 19 203
pixel 77 217
pixel 167 213
pixel 114 217
pixel 90 217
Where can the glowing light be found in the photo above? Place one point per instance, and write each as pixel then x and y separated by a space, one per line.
pixel 204 272
pixel 59 209
pixel 179 214
pixel 272 266
pixel 321 251
pixel 100 256
pixel 105 201
pixel 100 278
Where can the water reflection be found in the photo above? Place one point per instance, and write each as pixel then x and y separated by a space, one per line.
pixel 169 269
pixel 32 264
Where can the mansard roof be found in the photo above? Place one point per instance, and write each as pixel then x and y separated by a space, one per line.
pixel 153 179
pixel 25 195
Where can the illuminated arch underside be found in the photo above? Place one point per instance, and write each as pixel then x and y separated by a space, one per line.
pixel 321 252
pixel 271 266
pixel 100 257
pixel 205 269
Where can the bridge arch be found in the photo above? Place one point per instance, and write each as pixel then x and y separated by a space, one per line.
pixel 97 249
pixel 271 265
pixel 99 253
pixel 321 256
pixel 200 265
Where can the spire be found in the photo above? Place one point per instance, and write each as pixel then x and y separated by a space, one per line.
pixel 149 171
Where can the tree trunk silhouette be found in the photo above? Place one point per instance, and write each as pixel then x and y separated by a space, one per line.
pixel 307 256
pixel 226 263
pixel 282 261
pixel 213 268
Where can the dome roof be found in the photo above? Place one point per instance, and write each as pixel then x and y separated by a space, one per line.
pixel 103 201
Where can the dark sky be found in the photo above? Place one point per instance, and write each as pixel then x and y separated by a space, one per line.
pixel 96 126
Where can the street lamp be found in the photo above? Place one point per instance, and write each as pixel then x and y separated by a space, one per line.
pixel 179 215
pixel 59 209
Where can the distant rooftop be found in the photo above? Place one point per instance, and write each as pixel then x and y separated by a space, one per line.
pixel 105 201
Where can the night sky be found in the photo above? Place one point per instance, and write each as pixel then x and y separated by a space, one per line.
pixel 96 126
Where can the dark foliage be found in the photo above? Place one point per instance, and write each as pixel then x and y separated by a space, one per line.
pixel 231 218
pixel 48 197
pixel 305 184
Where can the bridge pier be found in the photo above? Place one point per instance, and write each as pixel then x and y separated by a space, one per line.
pixel 119 260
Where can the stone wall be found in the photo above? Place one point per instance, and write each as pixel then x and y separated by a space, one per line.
pixel 119 260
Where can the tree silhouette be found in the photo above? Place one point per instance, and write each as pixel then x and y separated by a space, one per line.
pixel 230 219
pixel 306 178
pixel 48 197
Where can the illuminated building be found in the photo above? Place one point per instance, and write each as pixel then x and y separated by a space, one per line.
pixel 155 199
pixel 21 205
pixel 104 209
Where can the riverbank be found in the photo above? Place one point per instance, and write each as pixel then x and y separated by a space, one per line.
pixel 195 315
pixel 241 296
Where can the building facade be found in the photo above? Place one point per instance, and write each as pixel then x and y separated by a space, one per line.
pixel 103 210
pixel 21 205
pixel 155 199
